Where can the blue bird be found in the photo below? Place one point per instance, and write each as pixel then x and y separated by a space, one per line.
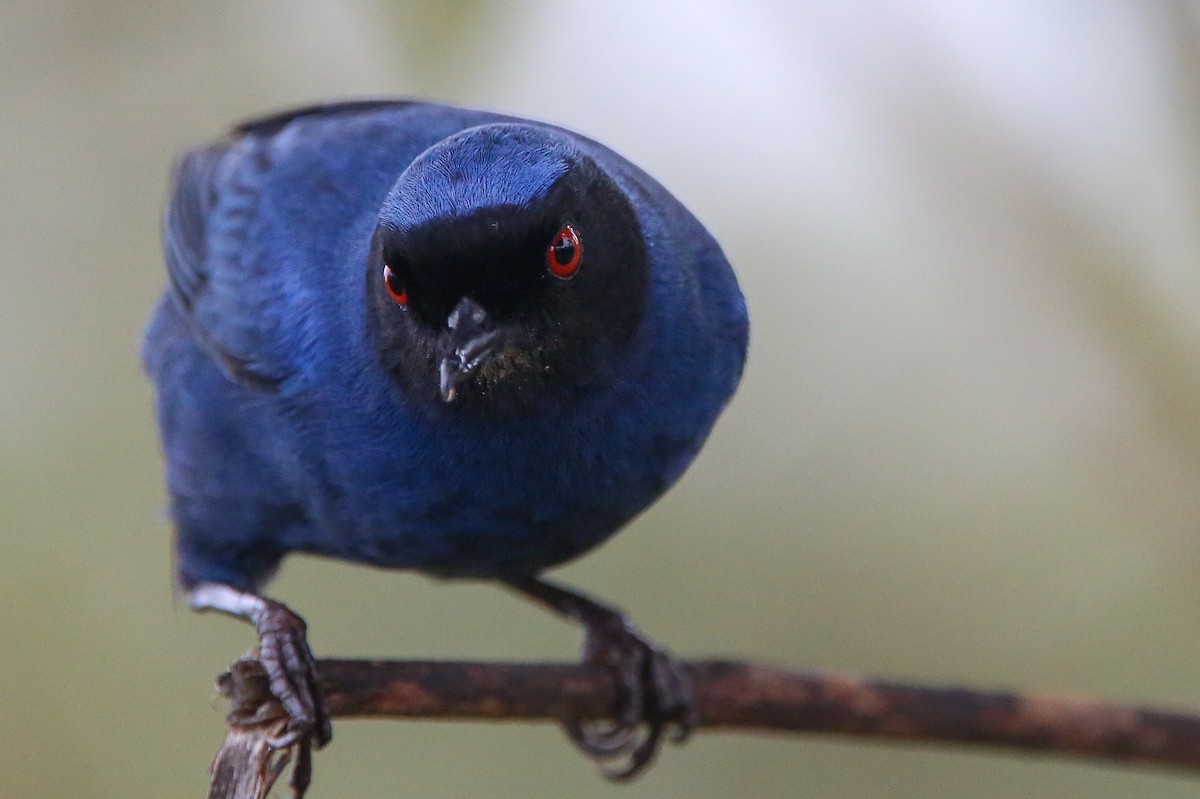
pixel 424 337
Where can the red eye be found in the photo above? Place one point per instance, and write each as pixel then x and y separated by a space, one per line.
pixel 395 286
pixel 564 253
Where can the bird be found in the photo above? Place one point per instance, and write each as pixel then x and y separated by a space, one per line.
pixel 430 338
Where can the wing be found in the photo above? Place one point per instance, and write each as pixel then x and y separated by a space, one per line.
pixel 210 260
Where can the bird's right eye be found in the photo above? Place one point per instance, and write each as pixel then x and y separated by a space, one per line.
pixel 395 286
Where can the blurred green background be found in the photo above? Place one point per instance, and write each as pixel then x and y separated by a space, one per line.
pixel 967 448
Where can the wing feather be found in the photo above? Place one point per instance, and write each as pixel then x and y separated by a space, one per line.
pixel 213 276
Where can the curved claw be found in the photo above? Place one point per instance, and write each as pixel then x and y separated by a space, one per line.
pixel 620 752
pixel 602 740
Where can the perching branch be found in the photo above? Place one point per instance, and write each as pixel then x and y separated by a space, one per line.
pixel 729 695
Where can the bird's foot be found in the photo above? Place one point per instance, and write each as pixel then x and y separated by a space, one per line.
pixel 290 669
pixel 653 693
pixel 292 675
pixel 292 672
pixel 654 697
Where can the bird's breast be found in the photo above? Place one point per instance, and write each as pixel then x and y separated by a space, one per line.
pixel 467 496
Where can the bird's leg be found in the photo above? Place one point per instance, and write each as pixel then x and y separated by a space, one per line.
pixel 289 664
pixel 654 693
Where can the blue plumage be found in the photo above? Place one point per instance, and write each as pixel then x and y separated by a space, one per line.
pixel 363 355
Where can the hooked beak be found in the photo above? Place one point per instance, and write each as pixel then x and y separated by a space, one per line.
pixel 471 340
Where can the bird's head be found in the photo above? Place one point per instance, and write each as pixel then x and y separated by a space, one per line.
pixel 506 270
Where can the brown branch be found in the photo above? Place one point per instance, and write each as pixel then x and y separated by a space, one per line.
pixel 729 695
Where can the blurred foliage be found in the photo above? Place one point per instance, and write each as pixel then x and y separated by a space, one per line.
pixel 967 448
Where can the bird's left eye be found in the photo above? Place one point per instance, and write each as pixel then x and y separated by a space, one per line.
pixel 565 252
